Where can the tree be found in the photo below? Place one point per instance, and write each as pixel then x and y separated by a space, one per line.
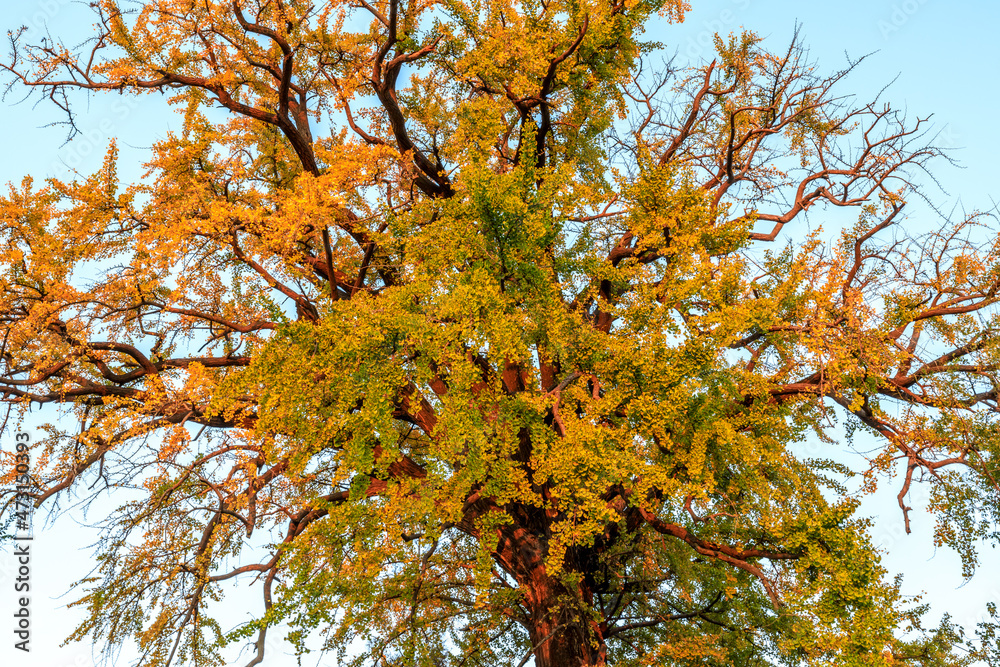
pixel 471 313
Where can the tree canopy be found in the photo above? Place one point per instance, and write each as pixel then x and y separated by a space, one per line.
pixel 496 333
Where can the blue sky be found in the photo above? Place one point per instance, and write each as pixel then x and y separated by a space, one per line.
pixel 944 53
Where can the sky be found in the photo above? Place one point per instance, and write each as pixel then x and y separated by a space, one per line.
pixel 939 56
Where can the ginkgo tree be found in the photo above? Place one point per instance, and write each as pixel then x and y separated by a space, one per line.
pixel 496 335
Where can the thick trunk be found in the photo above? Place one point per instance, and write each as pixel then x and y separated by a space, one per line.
pixel 560 635
pixel 569 645
pixel 561 629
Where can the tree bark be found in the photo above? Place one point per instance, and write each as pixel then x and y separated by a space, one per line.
pixel 560 635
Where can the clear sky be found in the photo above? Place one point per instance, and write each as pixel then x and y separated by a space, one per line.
pixel 944 53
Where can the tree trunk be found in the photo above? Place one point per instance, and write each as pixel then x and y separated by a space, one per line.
pixel 560 636
pixel 561 631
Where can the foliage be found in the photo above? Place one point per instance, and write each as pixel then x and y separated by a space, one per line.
pixel 464 316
